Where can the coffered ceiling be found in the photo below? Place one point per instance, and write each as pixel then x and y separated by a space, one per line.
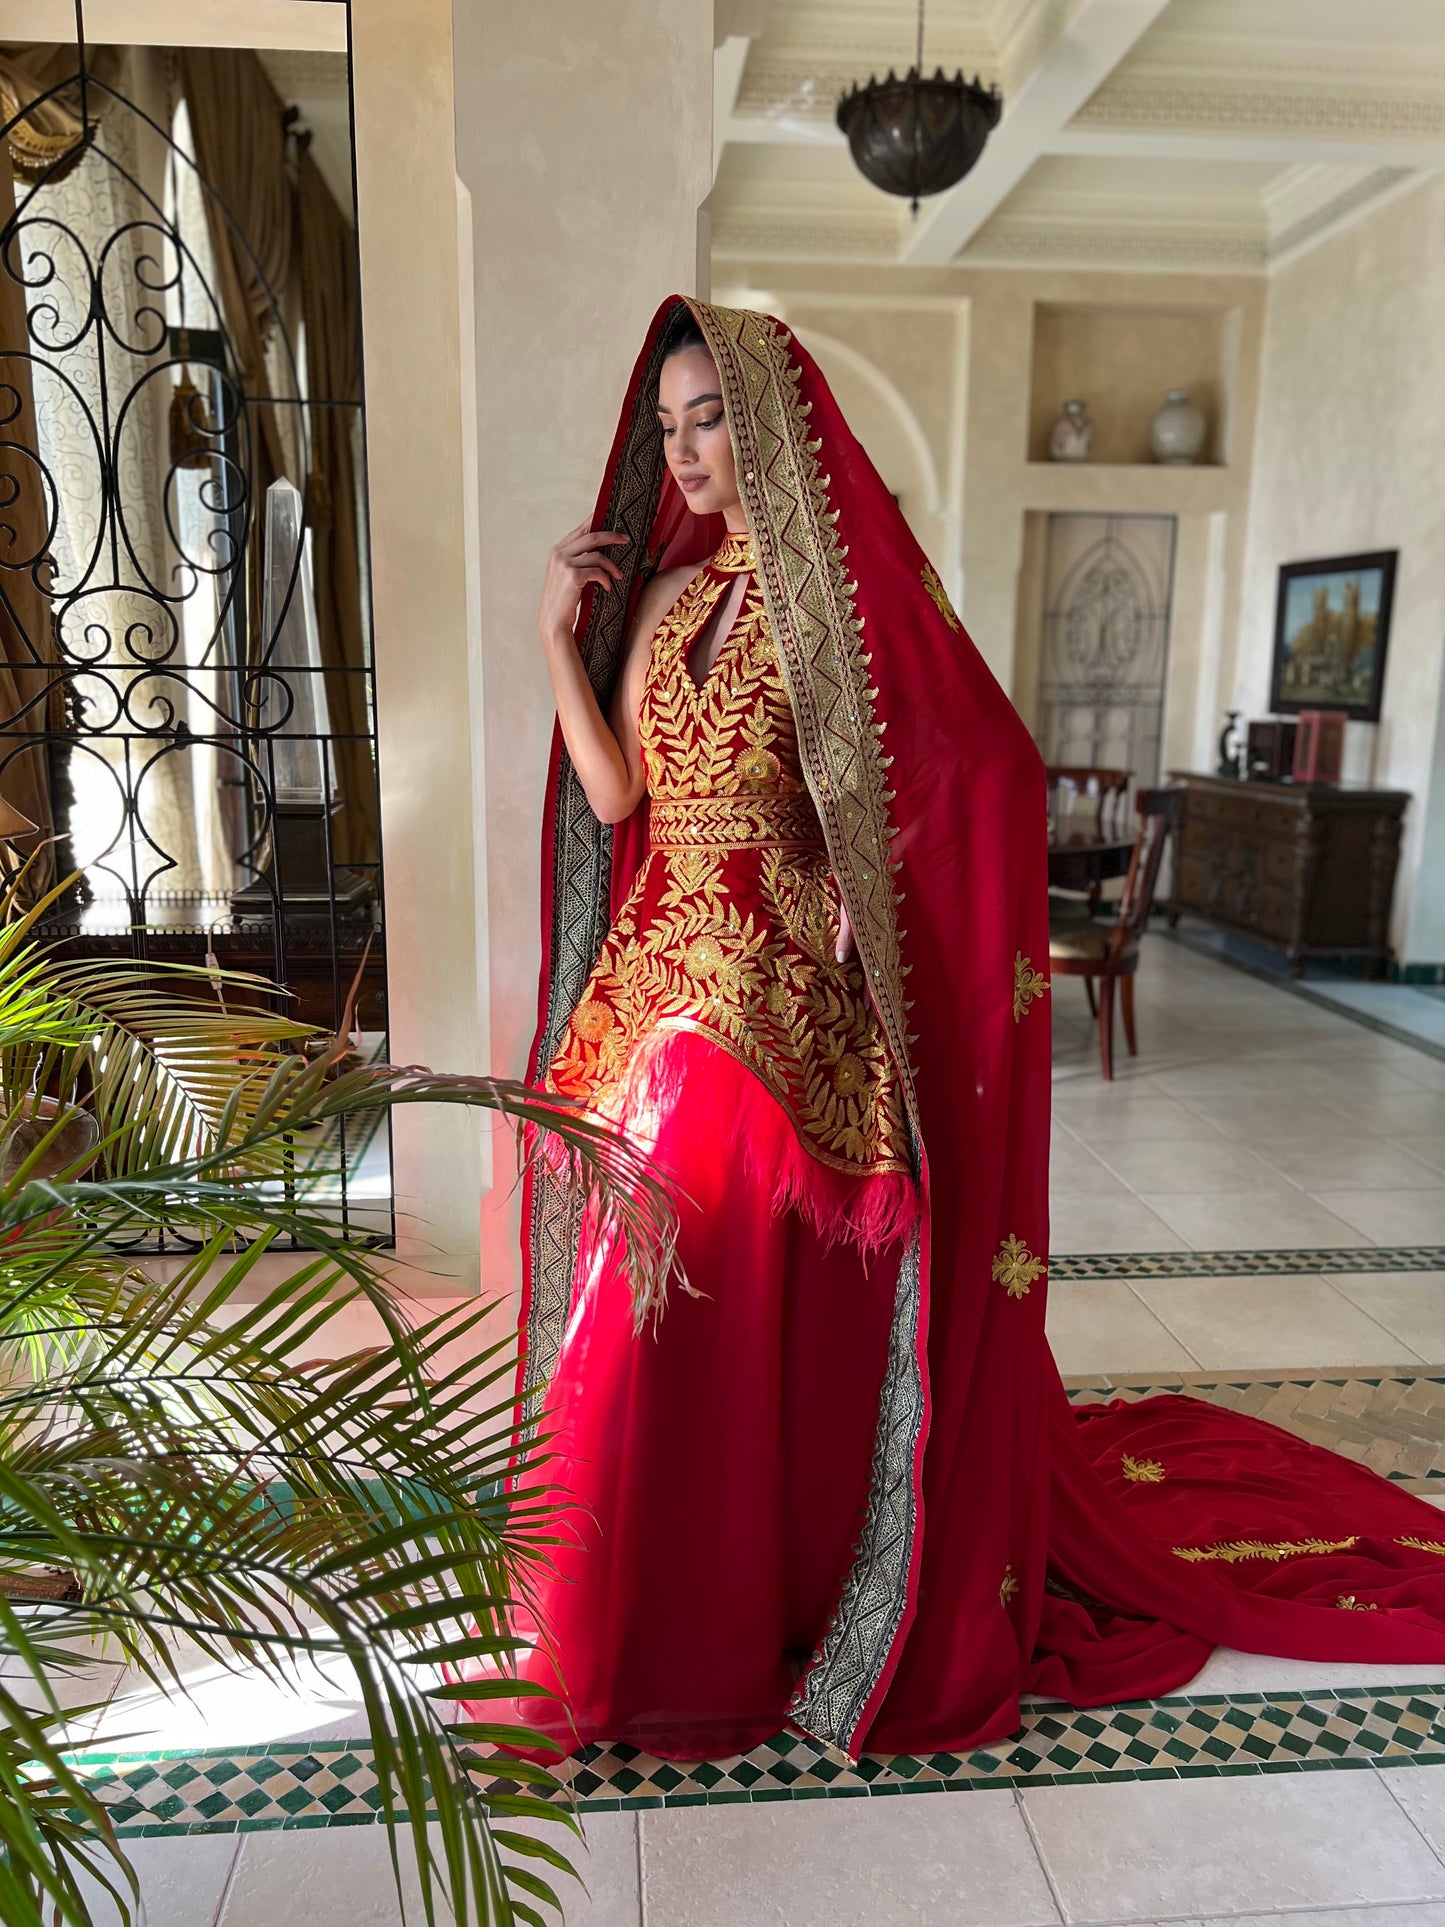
pixel 1224 134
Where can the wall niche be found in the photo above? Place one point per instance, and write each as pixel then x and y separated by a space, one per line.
pixel 1122 361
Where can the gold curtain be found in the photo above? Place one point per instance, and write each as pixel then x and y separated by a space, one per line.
pixel 49 137
pixel 28 695
pixel 329 307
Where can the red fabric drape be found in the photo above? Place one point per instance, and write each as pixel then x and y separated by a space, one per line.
pixel 1008 1544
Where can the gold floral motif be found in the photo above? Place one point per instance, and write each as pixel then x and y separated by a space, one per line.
pixel 850 1074
pixel 1423 1545
pixel 1028 984
pixel 592 1020
pixel 1016 1268
pixel 704 957
pixel 936 590
pixel 1233 1551
pixel 730 929
pixel 758 766
pixel 1142 1471
pixel 1008 1586
pixel 1348 1603
pixel 735 556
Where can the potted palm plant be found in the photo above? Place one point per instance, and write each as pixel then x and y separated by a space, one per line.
pixel 172 1467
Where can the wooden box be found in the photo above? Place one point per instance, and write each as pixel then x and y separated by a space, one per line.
pixel 1319 749
pixel 1269 751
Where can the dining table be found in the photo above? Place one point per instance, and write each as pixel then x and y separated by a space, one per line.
pixel 1082 858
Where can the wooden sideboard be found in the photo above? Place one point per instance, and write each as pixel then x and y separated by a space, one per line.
pixel 1307 868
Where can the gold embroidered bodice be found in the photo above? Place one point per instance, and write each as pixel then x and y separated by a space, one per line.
pixel 731 927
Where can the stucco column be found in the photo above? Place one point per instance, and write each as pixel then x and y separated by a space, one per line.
pixel 584 137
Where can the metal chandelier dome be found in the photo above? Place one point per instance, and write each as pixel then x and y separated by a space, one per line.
pixel 915 135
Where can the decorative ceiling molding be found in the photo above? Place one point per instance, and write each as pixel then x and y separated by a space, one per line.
pixel 1321 102
pixel 1013 242
pixel 756 233
pixel 1339 208
pixel 809 85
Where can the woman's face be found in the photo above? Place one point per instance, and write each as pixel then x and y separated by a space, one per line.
pixel 695 435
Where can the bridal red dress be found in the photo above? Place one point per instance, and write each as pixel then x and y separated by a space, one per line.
pixel 838 1485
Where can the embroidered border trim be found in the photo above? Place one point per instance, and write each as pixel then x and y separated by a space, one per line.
pixel 809 599
pixel 849 1662
pixel 582 884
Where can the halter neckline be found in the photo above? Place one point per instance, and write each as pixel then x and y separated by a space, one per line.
pixel 735 555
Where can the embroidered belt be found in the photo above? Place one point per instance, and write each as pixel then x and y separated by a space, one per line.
pixel 734 822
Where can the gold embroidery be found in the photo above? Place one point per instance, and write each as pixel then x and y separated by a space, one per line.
pixel 1142 1471
pixel 1028 984
pixel 1016 1268
pixel 1423 1545
pixel 735 556
pixel 1008 1586
pixel 1348 1603
pixel 939 594
pixel 731 927
pixel 1234 1550
pixel 802 571
pixel 758 766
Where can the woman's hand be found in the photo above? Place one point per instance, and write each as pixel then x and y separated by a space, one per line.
pixel 844 948
pixel 579 558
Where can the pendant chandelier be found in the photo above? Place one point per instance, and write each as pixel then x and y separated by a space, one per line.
pixel 917 136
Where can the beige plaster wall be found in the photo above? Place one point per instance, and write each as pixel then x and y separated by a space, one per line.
pixel 584 136
pixel 1348 455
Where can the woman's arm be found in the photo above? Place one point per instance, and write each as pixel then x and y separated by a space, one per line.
pixel 606 751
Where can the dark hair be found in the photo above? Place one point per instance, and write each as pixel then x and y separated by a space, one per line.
pixel 685 334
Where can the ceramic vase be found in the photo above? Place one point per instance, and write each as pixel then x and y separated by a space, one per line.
pixel 1072 438
pixel 1177 432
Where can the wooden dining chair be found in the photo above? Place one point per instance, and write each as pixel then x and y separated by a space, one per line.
pixel 1105 952
pixel 1072 786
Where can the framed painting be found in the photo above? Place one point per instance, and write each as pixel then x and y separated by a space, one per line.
pixel 1331 626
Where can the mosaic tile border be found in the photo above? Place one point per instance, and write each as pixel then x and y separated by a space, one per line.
pixel 1069 1266
pixel 333 1783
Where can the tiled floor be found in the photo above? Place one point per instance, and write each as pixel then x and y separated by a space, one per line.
pixel 1260 1194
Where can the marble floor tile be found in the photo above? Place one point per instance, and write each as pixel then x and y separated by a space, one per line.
pixel 1410 1304
pixel 1422 1799
pixel 1390 1217
pixel 1155 1848
pixel 1399 1113
pixel 1108 1224
pixel 1192 1164
pixel 1074 1169
pixel 1275 1219
pixel 1361 1164
pixel 1424 1913
pixel 341 1877
pixel 1427 1146
pixel 1109 1113
pixel 1251 1118
pixel 182 1881
pixel 906 1861
pixel 1230 1324
pixel 1099 1324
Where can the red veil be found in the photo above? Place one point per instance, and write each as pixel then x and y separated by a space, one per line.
pixel 1010 1543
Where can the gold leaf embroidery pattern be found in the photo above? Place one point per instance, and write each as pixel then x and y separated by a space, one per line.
pixel 1016 1268
pixel 1008 1586
pixel 1028 984
pixel 939 594
pixel 731 925
pixel 1142 1471
pixel 1233 1551
pixel 1423 1545
pixel 1348 1603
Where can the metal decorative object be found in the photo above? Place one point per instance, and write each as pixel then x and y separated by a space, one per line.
pixel 917 136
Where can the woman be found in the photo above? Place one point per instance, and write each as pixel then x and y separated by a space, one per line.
pixel 795 930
